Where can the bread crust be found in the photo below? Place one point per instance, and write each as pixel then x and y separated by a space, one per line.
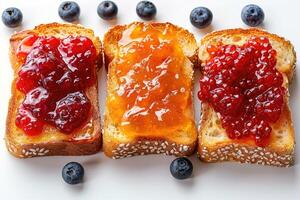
pixel 85 144
pixel 116 148
pixel 246 151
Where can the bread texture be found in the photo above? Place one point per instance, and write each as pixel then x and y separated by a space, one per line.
pixel 117 144
pixel 85 140
pixel 214 144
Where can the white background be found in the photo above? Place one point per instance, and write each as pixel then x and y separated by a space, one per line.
pixel 148 177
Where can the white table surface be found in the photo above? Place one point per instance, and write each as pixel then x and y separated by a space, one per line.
pixel 148 177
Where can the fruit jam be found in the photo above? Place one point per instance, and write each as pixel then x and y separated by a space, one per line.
pixel 154 90
pixel 243 85
pixel 53 77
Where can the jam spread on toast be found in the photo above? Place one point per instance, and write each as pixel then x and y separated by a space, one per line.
pixel 152 88
pixel 242 84
pixel 53 77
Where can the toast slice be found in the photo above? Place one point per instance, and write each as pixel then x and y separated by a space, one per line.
pixel 85 140
pixel 214 144
pixel 120 141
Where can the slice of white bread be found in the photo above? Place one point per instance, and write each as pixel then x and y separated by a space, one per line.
pixel 84 141
pixel 214 144
pixel 182 140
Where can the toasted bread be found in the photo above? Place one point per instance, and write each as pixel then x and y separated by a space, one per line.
pixel 214 144
pixel 182 140
pixel 86 140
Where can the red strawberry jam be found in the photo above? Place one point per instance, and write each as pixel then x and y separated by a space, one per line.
pixel 53 77
pixel 70 112
pixel 26 46
pixel 242 84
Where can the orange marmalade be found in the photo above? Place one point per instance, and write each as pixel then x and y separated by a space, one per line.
pixel 151 87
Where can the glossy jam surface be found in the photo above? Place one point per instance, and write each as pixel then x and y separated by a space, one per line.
pixel 153 89
pixel 53 77
pixel 243 85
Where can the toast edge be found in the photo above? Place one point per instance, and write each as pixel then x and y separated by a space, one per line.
pixel 245 154
pixel 146 146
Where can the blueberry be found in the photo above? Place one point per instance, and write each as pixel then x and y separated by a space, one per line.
pixel 181 168
pixel 107 10
pixel 69 11
pixel 146 10
pixel 12 17
pixel 252 15
pixel 201 17
pixel 72 173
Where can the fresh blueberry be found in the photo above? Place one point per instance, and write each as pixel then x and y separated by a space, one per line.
pixel 201 17
pixel 146 10
pixel 252 15
pixel 69 11
pixel 72 173
pixel 181 168
pixel 12 17
pixel 107 10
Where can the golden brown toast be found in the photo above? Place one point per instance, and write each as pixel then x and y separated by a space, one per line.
pixel 214 144
pixel 179 139
pixel 86 140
